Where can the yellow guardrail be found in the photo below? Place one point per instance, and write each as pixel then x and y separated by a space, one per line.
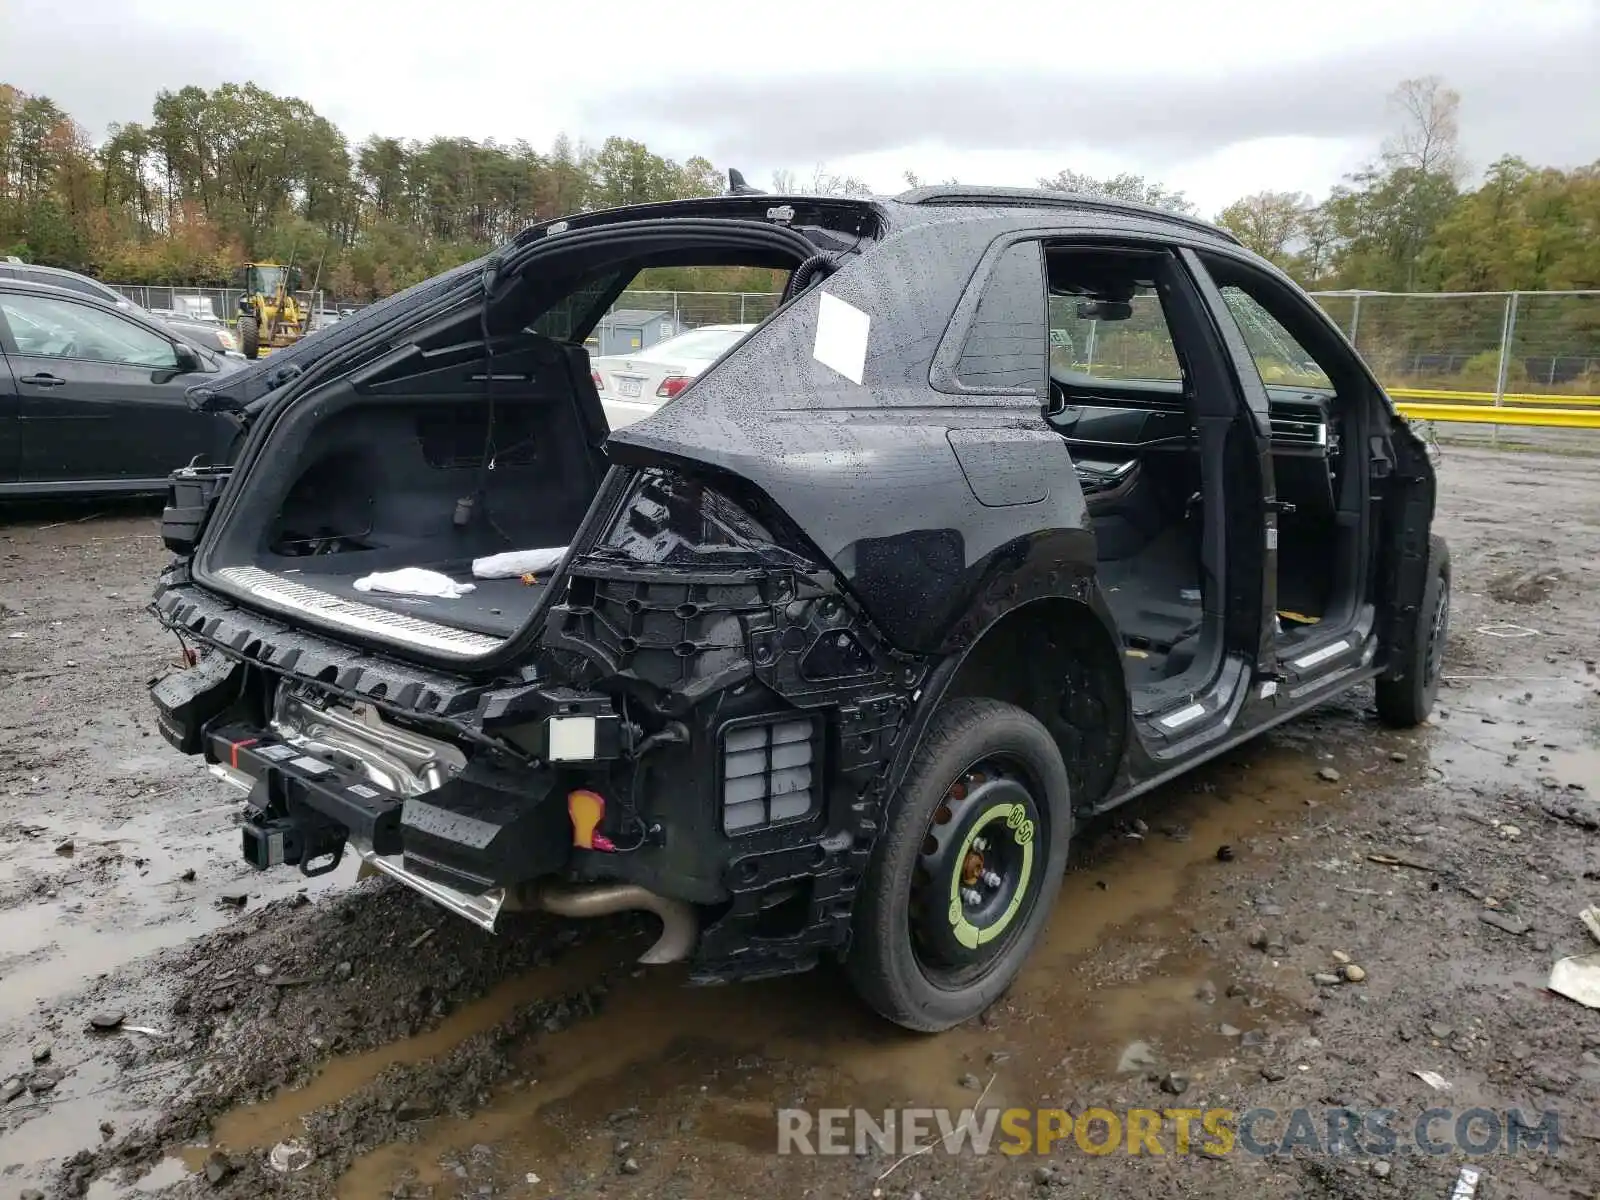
pixel 1510 398
pixel 1478 414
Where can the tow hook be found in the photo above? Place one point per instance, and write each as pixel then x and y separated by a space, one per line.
pixel 316 848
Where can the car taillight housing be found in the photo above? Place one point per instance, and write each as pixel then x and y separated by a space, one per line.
pixel 672 385
pixel 599 383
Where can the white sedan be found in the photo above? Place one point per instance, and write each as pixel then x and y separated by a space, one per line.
pixel 633 386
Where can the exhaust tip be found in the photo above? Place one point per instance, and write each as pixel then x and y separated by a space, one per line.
pixel 679 926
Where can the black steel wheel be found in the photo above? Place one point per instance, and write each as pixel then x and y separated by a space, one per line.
pixel 967 869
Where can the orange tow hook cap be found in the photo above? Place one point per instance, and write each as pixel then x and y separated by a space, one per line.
pixel 586 809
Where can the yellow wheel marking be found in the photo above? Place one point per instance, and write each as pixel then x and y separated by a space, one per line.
pixel 1016 820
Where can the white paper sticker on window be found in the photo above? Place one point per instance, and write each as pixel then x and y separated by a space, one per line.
pixel 842 331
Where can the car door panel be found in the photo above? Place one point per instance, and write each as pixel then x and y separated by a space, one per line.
pixel 82 416
pixel 10 437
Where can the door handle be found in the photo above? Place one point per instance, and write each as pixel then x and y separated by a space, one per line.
pixel 43 380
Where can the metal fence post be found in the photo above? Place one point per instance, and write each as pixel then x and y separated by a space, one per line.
pixel 1355 317
pixel 1508 331
pixel 741 308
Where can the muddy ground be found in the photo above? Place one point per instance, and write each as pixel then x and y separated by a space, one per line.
pixel 408 1054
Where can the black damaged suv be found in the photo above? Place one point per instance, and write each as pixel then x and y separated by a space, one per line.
pixel 1018 505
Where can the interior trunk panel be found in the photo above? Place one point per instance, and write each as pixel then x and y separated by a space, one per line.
pixel 425 470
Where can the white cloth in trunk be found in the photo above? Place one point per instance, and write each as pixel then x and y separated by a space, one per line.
pixel 413 581
pixel 518 562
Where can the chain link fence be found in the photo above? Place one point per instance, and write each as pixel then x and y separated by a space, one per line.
pixel 204 303
pixel 1507 346
pixel 693 309
pixel 1510 347
pixel 1493 345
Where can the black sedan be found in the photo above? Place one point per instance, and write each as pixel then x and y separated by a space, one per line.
pixel 92 397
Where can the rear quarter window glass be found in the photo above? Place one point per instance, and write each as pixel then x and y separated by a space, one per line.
pixel 1005 348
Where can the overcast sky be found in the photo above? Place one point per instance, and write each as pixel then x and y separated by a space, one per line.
pixel 1217 97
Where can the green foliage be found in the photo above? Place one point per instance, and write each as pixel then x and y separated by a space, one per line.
pixel 217 177
pixel 1127 186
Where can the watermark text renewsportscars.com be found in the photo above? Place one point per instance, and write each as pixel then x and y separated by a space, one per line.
pixel 1213 1132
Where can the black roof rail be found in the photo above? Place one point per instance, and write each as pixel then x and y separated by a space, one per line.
pixel 1015 197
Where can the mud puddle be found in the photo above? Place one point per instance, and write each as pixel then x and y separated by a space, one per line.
pixel 1121 979
pixel 170 872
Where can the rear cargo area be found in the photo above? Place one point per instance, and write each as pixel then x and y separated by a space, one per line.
pixel 419 463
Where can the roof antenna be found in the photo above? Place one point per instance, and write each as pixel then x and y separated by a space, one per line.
pixel 738 187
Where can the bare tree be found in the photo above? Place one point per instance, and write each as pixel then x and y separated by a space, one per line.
pixel 1427 139
pixel 823 182
pixel 826 183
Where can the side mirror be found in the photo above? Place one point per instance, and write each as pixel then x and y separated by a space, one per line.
pixel 185 357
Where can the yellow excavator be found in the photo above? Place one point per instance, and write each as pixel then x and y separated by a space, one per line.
pixel 269 315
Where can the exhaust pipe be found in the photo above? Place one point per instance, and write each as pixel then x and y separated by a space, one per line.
pixel 679 928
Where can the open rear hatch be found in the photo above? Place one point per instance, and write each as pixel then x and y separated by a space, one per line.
pixel 420 463
pixel 477 432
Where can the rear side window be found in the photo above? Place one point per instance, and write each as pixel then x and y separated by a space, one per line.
pixel 72 283
pixel 1004 349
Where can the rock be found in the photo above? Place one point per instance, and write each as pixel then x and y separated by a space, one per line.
pixel 289 1156
pixel 1270 910
pixel 30 1194
pixel 1399 756
pixel 630 1166
pixel 1235 990
pixel 65 847
pixel 1339 956
pixel 41 1053
pixel 1274 1074
pixel 1381 1169
pixel 1328 775
pixel 107 1130
pixel 11 1089
pixel 1510 831
pixel 1137 1055
pixel 1441 1032
pixel 1324 979
pixel 1251 1038
pixel 1258 938
pixel 1044 1176
pixel 234 899
pixel 1174 1084
pixel 218 1168
pixel 188 875
pixel 971 1082
pixel 1206 993
pixel 1352 973
pixel 105 1022
pixel 1229 1031
pixel 342 970
pixel 45 1080
pixel 1224 853
pixel 1525 587
pixel 415 1109
pixel 1515 926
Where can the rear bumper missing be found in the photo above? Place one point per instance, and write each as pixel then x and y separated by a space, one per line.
pixel 306 812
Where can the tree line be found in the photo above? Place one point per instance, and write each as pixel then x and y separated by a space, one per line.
pixel 216 178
